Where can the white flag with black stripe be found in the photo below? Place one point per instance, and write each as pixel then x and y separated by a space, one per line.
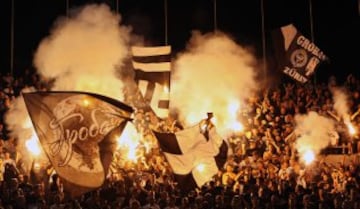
pixel 194 157
pixel 152 67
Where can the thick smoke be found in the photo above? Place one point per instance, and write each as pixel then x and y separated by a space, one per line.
pixel 19 123
pixel 84 51
pixel 17 117
pixel 314 132
pixel 213 74
pixel 340 99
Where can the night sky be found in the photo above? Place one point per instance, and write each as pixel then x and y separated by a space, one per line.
pixel 336 25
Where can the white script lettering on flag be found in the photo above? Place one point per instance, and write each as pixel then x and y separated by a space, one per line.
pixel 76 132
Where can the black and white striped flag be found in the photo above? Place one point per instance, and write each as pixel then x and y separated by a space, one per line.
pixel 152 67
pixel 194 158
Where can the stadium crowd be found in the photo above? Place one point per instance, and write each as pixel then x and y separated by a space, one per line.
pixel 264 170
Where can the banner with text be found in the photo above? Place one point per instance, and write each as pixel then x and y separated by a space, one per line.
pixel 298 56
pixel 78 132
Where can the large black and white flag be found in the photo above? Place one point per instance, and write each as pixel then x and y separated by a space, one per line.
pixel 152 67
pixel 297 55
pixel 78 132
pixel 194 157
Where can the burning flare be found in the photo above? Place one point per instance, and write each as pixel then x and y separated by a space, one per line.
pixel 128 142
pixel 233 109
pixel 200 167
pixel 33 145
pixel 350 127
pixel 308 156
pixel 224 76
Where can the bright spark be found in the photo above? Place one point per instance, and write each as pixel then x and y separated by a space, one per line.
pixel 308 157
pixel 86 102
pixel 351 128
pixel 200 167
pixel 33 146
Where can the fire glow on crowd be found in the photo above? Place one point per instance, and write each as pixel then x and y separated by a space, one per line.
pixel 213 53
pixel 238 105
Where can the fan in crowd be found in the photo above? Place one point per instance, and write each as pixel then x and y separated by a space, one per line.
pixel 264 170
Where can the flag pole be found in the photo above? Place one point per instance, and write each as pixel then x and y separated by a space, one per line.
pixel 166 21
pixel 117 6
pixel 12 31
pixel 215 16
pixel 263 39
pixel 312 29
pixel 311 21
pixel 67 8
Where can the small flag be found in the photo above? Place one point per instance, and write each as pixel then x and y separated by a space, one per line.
pixel 152 67
pixel 193 158
pixel 77 131
pixel 297 55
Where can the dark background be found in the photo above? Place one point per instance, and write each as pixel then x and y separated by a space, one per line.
pixel 335 23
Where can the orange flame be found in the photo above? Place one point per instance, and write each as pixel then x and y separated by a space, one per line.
pixel 350 127
pixel 200 167
pixel 33 145
pixel 128 142
pixel 232 123
pixel 308 156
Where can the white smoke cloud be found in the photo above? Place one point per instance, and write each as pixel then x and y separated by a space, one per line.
pixel 341 106
pixel 340 99
pixel 19 123
pixel 83 52
pixel 314 131
pixel 213 74
pixel 17 118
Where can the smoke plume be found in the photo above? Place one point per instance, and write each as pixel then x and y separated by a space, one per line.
pixel 19 123
pixel 314 132
pixel 214 75
pixel 340 99
pixel 84 51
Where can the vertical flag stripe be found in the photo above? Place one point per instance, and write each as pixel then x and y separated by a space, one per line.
pixel 150 88
pixel 143 85
pixel 153 65
pixel 159 94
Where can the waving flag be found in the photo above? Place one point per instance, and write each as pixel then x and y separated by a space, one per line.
pixel 152 73
pixel 297 55
pixel 77 131
pixel 193 157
